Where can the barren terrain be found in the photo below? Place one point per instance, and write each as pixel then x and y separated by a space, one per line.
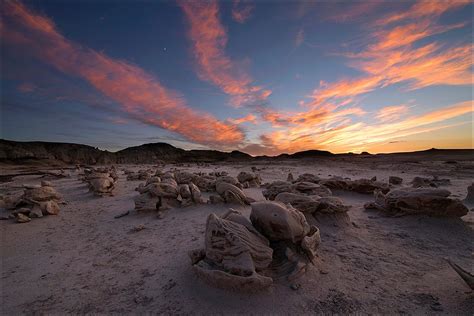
pixel 83 260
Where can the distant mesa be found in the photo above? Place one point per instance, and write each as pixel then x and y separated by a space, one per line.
pixel 66 153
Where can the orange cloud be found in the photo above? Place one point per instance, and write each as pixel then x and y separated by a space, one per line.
pixel 141 95
pixel 213 65
pixel 353 11
pixel 391 57
pixel 337 133
pixel 26 87
pixel 242 10
pixel 246 119
pixel 421 9
pixel 391 113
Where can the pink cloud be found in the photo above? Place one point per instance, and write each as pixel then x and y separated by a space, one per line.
pixel 139 93
pixel 209 39
pixel 242 10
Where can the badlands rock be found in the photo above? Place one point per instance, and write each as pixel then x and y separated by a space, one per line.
pixel 308 177
pixel 239 256
pixel 470 194
pixel 429 201
pixel 395 180
pixel 311 188
pixel 232 194
pixel 234 257
pixel 249 179
pixel 275 188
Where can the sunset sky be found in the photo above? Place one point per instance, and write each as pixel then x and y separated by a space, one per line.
pixel 262 77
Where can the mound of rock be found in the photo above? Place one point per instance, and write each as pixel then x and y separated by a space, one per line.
pixel 364 186
pixel 275 188
pixel 395 180
pixel 230 193
pixel 141 175
pixel 35 202
pixel 327 207
pixel 160 194
pixel 243 255
pixel 434 182
pixel 249 179
pixel 101 181
pixel 308 177
pixel 470 194
pixel 429 201
pixel 310 188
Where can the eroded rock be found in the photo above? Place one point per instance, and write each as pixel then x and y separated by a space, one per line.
pixel 242 257
pixel 429 201
pixel 232 194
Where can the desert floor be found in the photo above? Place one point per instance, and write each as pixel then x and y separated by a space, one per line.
pixel 85 261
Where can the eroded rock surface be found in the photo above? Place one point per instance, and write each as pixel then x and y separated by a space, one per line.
pixel 429 201
pixel 249 179
pixel 245 255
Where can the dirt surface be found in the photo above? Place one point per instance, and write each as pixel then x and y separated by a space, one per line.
pixel 85 261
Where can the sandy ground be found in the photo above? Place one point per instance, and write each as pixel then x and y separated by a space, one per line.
pixel 85 261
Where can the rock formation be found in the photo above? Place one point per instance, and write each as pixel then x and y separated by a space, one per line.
pixel 249 179
pixel 35 202
pixel 232 194
pixel 429 201
pixel 245 255
pixel 470 194
pixel 101 181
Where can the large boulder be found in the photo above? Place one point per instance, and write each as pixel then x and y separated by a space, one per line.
pixel 234 256
pixel 239 256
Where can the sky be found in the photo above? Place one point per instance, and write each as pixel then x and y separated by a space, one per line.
pixel 263 77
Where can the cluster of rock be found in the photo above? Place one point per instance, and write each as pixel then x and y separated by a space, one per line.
pixel 364 186
pixel 249 179
pixel 36 201
pixel 101 181
pixel 307 197
pixel 140 175
pixel 166 190
pixel 179 188
pixel 407 201
pixel 248 255
pixel 434 182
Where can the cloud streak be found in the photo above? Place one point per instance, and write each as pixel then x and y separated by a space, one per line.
pixel 209 39
pixel 391 57
pixel 139 93
pixel 242 10
pixel 336 131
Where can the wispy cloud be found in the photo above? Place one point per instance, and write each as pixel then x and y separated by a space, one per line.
pixel 242 10
pixel 391 56
pixel 139 93
pixel 299 38
pixel 250 118
pixel 391 113
pixel 353 11
pixel 209 39
pixel 338 133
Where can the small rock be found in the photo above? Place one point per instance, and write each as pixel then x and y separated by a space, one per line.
pixel 20 218
pixel 395 180
pixel 295 286
pixel 36 212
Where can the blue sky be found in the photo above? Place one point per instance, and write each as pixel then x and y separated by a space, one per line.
pixel 262 77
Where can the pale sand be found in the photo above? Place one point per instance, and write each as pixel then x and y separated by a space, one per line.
pixel 85 261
